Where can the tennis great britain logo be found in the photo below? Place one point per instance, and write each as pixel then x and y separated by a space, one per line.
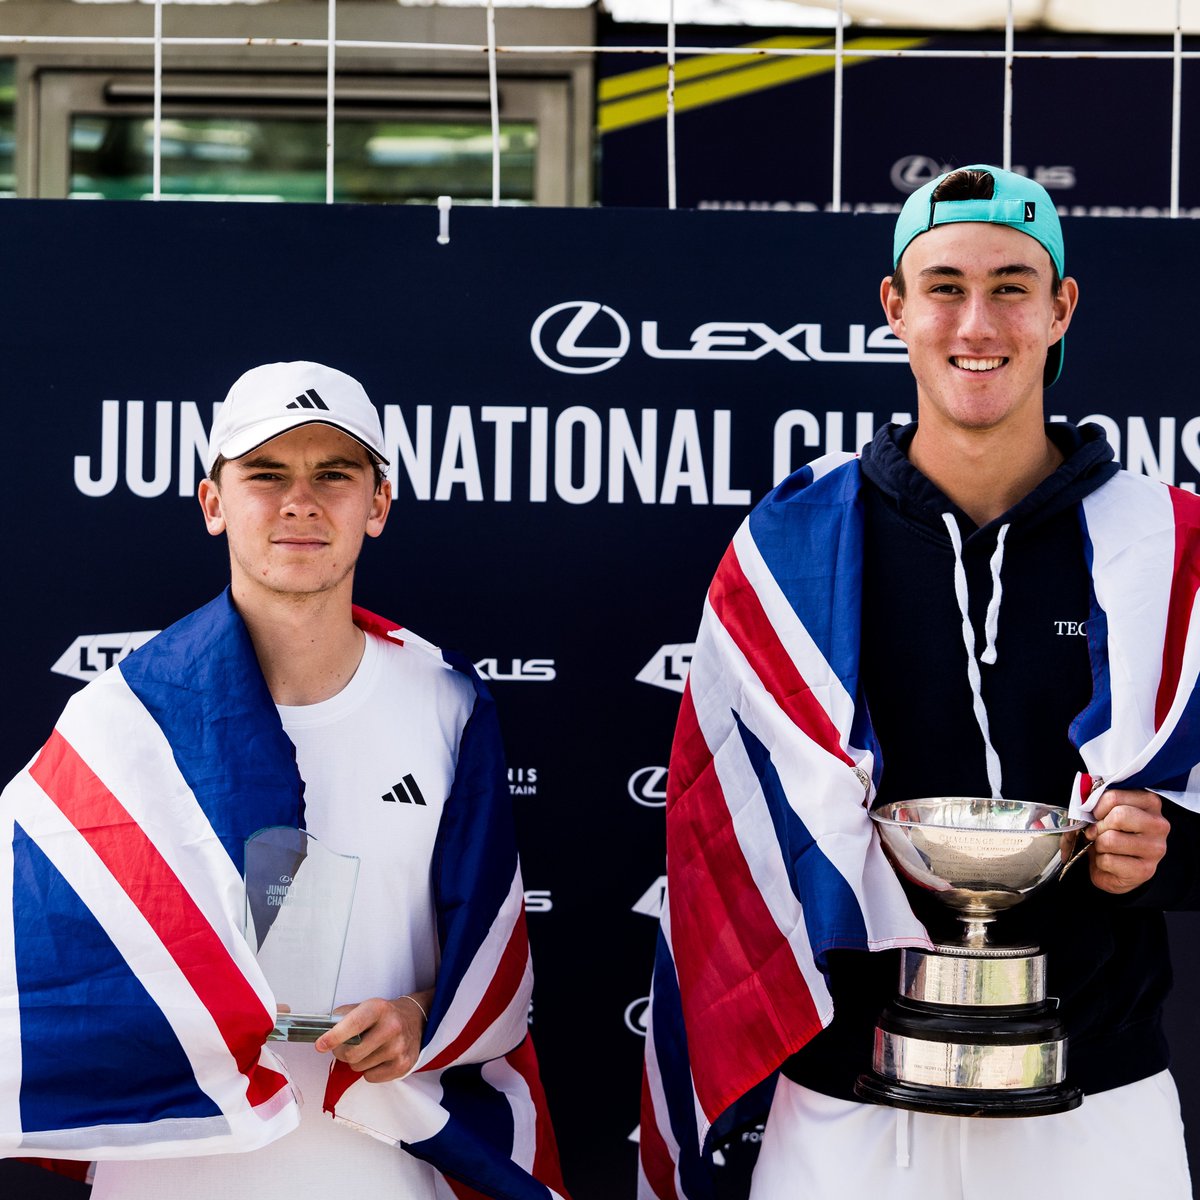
pixel 585 337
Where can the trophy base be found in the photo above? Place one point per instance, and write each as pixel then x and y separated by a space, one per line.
pixel 960 1102
pixel 970 1062
pixel 302 1027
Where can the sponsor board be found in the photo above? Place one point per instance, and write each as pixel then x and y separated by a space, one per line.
pixel 92 654
pixel 647 786
pixel 653 899
pixel 522 781
pixel 584 337
pixel 516 670
pixel 914 171
pixel 668 667
pixel 637 1015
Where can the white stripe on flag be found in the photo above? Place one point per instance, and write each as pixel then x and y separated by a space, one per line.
pixel 509 1027
pixel 215 1070
pixel 10 1012
pixel 820 467
pixel 1188 675
pixel 733 680
pixel 811 664
pixel 1131 525
pixel 654 1083
pixel 404 1110
pixel 823 791
pixel 511 1084
pixel 153 792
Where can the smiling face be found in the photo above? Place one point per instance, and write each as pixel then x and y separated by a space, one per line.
pixel 978 314
pixel 295 511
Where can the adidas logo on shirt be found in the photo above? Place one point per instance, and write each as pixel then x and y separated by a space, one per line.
pixel 405 792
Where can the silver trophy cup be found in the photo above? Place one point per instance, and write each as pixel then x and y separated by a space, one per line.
pixel 972 1032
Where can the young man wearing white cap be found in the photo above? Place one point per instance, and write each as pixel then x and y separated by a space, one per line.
pixel 980 605
pixel 280 703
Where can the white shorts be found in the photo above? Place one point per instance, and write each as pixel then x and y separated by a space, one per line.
pixel 319 1160
pixel 1127 1142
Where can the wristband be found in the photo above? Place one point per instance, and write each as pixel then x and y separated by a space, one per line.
pixel 420 1008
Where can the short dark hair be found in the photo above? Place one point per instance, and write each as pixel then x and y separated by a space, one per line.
pixel 970 183
pixel 219 463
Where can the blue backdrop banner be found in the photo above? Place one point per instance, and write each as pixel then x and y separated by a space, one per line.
pixel 580 406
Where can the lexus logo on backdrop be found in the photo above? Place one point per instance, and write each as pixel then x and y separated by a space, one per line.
pixel 914 171
pixel 648 786
pixel 583 337
pixel 606 343
pixel 637 1016
pixel 517 670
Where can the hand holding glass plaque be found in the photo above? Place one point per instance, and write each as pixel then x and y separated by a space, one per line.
pixel 298 901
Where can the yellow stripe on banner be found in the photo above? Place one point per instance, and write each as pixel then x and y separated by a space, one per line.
pixel 650 79
pixel 729 84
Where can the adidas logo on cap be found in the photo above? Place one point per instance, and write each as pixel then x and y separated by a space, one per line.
pixel 309 399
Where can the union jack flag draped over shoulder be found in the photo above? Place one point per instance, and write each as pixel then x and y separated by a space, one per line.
pixel 771 861
pixel 133 1015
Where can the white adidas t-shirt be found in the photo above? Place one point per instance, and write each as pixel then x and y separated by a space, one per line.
pixel 378 760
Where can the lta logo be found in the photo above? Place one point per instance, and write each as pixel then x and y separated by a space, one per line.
pixel 93 653
pixel 669 666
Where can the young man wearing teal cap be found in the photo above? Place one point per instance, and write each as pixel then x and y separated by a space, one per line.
pixel 981 604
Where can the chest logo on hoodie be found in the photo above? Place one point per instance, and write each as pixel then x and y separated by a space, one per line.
pixel 1070 628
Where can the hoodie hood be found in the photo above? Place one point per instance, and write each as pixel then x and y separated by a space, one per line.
pixel 1088 463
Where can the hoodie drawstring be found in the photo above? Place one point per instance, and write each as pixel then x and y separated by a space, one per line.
pixel 992 624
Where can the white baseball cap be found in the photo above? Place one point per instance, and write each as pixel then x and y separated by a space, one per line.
pixel 269 400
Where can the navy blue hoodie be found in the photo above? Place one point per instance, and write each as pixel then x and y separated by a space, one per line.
pixel 1107 955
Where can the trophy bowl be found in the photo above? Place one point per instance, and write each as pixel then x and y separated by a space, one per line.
pixel 977 856
pixel 971 1031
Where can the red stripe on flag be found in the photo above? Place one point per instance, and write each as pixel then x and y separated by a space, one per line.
pixel 546 1166
pixel 160 896
pixel 341 1079
pixel 62 1166
pixel 503 986
pixel 373 623
pixel 652 1148
pixel 736 968
pixel 1184 584
pixel 740 611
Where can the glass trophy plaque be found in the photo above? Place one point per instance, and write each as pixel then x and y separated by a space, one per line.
pixel 298 900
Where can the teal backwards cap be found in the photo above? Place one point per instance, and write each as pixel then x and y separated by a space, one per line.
pixel 1016 201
